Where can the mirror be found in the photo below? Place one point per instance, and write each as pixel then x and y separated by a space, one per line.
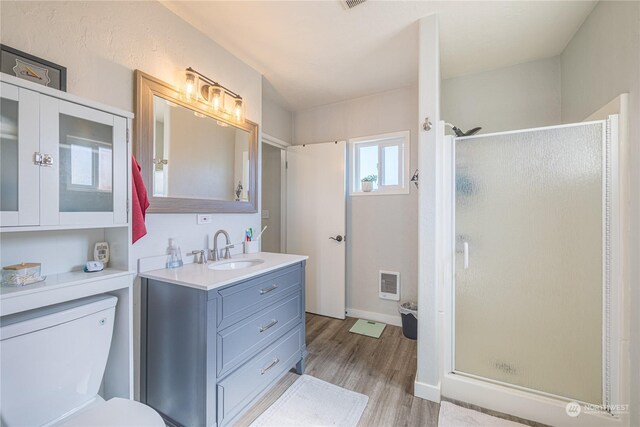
pixel 192 160
pixel 211 145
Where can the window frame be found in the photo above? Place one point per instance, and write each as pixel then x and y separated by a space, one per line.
pixel 401 139
pixel 94 146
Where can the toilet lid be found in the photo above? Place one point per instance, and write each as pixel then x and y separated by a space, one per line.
pixel 117 412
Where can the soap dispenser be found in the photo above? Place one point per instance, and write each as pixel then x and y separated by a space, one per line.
pixel 174 257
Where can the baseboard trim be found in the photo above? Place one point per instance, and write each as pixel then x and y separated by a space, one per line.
pixel 376 317
pixel 426 391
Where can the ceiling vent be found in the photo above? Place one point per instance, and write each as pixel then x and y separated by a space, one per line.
pixel 350 4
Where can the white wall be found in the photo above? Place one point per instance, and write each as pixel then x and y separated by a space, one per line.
pixel 381 230
pixel 599 63
pixel 277 121
pixel 430 224
pixel 101 43
pixel 517 97
pixel 44 247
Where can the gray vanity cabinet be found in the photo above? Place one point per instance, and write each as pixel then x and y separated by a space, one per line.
pixel 207 355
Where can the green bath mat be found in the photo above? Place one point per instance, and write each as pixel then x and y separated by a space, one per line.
pixel 368 328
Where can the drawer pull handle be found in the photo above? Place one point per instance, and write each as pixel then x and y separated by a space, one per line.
pixel 271 365
pixel 267 290
pixel 268 325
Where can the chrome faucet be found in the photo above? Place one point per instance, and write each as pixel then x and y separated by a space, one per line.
pixel 199 257
pixel 215 255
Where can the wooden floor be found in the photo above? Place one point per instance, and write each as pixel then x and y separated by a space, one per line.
pixel 384 369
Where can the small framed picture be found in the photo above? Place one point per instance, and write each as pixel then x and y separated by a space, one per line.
pixel 34 69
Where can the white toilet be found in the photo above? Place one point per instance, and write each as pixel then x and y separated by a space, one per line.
pixel 51 365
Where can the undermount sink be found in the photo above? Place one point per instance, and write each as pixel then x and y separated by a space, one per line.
pixel 235 265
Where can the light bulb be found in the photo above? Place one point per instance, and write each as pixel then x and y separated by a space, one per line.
pixel 216 98
pixel 190 86
pixel 237 110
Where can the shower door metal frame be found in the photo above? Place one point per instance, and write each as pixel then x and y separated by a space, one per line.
pixel 519 400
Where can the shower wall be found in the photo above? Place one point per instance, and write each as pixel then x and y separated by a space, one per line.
pixel 518 97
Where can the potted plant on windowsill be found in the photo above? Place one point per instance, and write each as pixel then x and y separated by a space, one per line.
pixel 367 183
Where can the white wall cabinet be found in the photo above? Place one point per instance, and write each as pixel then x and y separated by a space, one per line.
pixel 62 163
pixel 54 212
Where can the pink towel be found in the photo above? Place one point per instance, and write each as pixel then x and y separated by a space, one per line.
pixel 140 201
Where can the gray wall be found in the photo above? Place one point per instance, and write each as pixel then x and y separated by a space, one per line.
pixel 518 97
pixel 599 63
pixel 277 121
pixel 271 197
pixel 382 231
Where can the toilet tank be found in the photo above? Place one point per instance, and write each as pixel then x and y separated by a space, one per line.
pixel 52 359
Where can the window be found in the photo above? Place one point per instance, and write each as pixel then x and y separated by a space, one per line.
pixel 90 164
pixel 382 160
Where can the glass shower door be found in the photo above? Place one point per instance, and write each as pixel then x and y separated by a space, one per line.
pixel 529 234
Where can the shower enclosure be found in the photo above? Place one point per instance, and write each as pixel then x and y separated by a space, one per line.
pixel 533 287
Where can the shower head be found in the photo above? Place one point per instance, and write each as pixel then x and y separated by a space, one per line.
pixel 459 133
pixel 472 131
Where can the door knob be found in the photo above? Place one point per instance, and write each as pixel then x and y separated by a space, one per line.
pixel 338 238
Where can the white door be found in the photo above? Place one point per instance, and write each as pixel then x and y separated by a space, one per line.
pixel 316 222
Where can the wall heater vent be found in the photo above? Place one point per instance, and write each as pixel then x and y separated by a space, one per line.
pixel 350 4
pixel 390 285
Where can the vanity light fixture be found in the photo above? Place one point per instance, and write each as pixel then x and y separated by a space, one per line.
pixel 216 97
pixel 200 88
pixel 238 110
pixel 190 86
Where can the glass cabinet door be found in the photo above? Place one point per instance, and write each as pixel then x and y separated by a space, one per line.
pixel 88 180
pixel 19 137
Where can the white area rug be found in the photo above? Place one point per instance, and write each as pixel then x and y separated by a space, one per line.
pixel 456 416
pixel 313 402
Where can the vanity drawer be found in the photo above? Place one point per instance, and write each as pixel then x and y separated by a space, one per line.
pixel 240 301
pixel 245 338
pixel 237 390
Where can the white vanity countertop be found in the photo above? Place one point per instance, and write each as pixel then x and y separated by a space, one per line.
pixel 200 276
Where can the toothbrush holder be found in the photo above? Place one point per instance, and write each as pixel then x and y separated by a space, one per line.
pixel 252 247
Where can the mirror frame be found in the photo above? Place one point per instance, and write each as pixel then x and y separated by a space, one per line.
pixel 146 88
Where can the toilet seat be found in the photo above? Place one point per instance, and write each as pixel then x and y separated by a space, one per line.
pixel 116 412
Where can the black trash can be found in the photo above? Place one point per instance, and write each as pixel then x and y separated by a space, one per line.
pixel 409 313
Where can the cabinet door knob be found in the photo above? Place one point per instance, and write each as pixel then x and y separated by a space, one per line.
pixel 45 160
